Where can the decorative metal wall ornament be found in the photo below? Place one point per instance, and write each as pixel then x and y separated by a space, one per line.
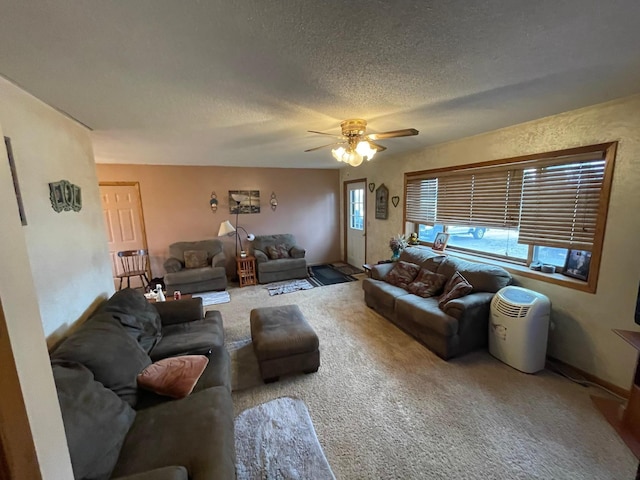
pixel 395 200
pixel 382 202
pixel 65 196
pixel 372 187
pixel 273 201
pixel 213 202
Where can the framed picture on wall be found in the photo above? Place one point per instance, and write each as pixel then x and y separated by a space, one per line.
pixel 382 202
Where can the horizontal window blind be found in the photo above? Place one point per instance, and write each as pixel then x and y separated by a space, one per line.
pixel 421 195
pixel 553 201
pixel 560 204
pixel 487 199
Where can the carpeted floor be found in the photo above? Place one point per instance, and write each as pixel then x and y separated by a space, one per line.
pixel 385 407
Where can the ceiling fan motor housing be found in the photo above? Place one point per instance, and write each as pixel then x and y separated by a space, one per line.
pixel 353 127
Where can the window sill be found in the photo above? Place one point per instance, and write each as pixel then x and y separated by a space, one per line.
pixel 521 270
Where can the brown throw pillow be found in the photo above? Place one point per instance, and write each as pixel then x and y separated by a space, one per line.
pixel 195 259
pixel 456 287
pixel 402 274
pixel 278 251
pixel 427 283
pixel 173 377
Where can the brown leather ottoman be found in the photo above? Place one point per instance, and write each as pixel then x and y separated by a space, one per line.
pixel 283 342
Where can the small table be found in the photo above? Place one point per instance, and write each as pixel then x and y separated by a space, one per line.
pixel 246 267
pixel 367 268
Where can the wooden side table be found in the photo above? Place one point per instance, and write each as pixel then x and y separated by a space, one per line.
pixel 246 268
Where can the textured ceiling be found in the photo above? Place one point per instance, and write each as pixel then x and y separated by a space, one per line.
pixel 240 82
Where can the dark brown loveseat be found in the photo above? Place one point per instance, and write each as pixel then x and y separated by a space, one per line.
pixel 115 429
pixel 462 326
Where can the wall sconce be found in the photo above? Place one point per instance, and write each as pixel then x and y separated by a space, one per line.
pixel 273 201
pixel 214 202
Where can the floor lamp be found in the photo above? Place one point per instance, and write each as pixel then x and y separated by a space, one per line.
pixel 227 229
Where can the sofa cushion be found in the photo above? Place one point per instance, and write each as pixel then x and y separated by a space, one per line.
pixel 402 274
pixel 95 419
pixel 139 317
pixel 425 257
pixel 385 294
pixel 456 287
pixel 195 337
pixel 427 283
pixel 196 432
pixel 195 259
pixel 283 265
pixel 424 313
pixel 483 277
pixel 277 251
pixel 103 346
pixel 173 377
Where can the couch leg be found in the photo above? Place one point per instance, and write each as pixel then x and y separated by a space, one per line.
pixel 314 370
pixel 271 379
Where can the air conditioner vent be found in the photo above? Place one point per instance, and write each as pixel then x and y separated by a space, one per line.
pixel 509 310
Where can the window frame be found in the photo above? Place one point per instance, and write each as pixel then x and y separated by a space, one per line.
pixel 538 159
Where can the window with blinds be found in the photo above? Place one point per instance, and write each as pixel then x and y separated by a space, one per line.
pixel 557 200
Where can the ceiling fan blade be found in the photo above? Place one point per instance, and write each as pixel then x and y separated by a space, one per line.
pixel 324 133
pixel 407 132
pixel 323 146
pixel 378 147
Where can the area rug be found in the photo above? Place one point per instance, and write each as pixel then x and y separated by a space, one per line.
pixel 276 440
pixel 347 269
pixel 213 298
pixel 321 275
pixel 288 286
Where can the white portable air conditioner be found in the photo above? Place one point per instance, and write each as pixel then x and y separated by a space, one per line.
pixel 519 327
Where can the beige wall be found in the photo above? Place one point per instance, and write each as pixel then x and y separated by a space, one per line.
pixel 582 333
pixel 176 205
pixel 56 267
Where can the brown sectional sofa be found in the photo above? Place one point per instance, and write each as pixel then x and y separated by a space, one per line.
pixel 463 324
pixel 114 428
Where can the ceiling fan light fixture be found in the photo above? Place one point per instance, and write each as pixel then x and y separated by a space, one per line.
pixel 338 153
pixel 355 159
pixel 365 150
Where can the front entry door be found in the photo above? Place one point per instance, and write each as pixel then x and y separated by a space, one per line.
pixel 355 201
pixel 122 209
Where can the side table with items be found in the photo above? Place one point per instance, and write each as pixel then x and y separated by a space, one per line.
pixel 246 268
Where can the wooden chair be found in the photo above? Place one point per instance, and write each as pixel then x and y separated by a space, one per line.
pixel 135 263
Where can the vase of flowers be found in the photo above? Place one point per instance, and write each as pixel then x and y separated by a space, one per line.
pixel 397 244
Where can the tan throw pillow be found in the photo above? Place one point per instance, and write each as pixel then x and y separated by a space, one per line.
pixel 456 287
pixel 278 251
pixel 402 274
pixel 195 259
pixel 427 283
pixel 173 377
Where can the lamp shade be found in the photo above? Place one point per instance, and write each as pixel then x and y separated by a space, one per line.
pixel 226 229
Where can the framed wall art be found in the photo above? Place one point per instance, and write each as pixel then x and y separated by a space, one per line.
pixel 244 201
pixel 382 202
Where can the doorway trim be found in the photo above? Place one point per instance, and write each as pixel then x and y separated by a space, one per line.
pixel 141 210
pixel 345 223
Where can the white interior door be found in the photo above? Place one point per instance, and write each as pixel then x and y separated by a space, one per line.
pixel 122 209
pixel 356 223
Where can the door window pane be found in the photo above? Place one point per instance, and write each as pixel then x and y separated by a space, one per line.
pixel 356 209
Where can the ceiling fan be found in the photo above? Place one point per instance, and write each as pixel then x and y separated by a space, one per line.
pixel 354 145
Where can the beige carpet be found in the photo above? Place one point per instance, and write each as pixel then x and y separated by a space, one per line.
pixel 384 406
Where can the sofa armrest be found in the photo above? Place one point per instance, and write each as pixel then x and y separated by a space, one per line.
pixel 180 311
pixel 468 305
pixel 297 252
pixel 165 473
pixel 379 271
pixel 219 260
pixel 172 265
pixel 260 256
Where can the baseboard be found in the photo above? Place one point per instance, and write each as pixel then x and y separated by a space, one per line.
pixel 574 371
